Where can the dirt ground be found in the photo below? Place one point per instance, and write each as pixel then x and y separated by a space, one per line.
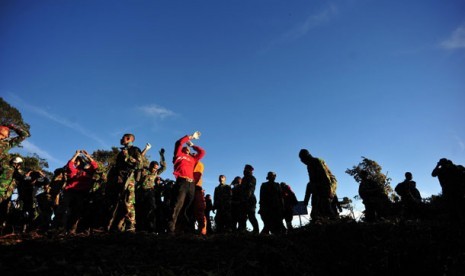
pixel 331 249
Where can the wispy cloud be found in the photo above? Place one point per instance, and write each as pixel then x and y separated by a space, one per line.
pixel 311 22
pixel 31 148
pixel 60 120
pixel 157 111
pixel 456 40
pixel 460 142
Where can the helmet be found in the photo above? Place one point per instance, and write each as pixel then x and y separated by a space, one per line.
pixel 17 160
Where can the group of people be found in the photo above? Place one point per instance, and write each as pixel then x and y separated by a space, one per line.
pixel 132 197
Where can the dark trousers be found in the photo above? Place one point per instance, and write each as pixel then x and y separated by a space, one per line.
pixel 186 191
pixel 145 211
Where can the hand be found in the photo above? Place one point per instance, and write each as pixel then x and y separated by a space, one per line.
pixel 162 151
pixel 84 152
pixel 196 135
pixel 148 146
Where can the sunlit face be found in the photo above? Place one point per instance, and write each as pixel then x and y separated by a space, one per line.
pixel 222 179
pixel 153 167
pixel 126 139
pixel 186 150
pixel 4 133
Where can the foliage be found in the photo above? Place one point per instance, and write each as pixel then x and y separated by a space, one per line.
pixel 11 115
pixel 34 163
pixel 374 172
pixel 105 158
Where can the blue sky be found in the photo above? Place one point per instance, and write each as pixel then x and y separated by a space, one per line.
pixel 260 79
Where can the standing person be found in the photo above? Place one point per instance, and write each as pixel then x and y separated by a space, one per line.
pixel 452 178
pixel 80 172
pixel 250 201
pixel 7 183
pixel 184 162
pixel 121 186
pixel 409 196
pixel 27 187
pixel 162 206
pixel 145 195
pixel 238 214
pixel 321 187
pixel 290 200
pixel 208 209
pixel 56 190
pixel 199 205
pixel 45 202
pixel 271 205
pixel 222 204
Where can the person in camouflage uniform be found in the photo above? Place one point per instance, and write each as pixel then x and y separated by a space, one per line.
pixel 145 197
pixel 7 183
pixel 250 200
pixel 121 186
pixel 374 197
pixel 222 204
pixel 321 186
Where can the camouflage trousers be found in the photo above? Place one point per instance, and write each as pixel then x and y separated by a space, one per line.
pixel 7 184
pixel 124 215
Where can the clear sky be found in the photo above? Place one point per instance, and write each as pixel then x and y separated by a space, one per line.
pixel 261 79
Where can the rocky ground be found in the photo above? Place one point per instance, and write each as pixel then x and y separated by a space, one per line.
pixel 341 248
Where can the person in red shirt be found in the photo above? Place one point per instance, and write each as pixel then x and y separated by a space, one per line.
pixel 80 171
pixel 184 162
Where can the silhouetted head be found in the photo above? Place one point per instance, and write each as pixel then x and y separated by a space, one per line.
pixel 304 155
pixel 271 176
pixel 222 179
pixel 237 180
pixel 35 175
pixel 153 166
pixel 363 174
pixel 444 161
pixel 248 169
pixel 127 139
pixel 408 176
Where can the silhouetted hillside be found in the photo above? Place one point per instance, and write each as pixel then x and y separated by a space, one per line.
pixel 344 248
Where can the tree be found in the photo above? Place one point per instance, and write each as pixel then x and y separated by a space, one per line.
pixel 34 163
pixel 374 172
pixel 10 115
